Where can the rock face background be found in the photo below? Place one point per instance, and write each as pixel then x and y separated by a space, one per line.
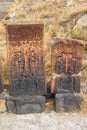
pixel 4 7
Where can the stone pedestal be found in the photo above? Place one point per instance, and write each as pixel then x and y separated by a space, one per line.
pixel 67 102
pixel 26 104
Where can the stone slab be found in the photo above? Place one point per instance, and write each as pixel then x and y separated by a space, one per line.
pixel 67 102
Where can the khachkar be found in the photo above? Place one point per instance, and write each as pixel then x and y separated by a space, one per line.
pixel 66 66
pixel 26 66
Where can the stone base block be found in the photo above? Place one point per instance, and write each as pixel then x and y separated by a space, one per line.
pixel 25 105
pixel 67 102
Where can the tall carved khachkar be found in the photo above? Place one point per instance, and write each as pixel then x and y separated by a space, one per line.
pixel 66 66
pixel 26 66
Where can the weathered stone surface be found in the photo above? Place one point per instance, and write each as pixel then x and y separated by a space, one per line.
pixel 67 56
pixel 36 104
pixel 4 7
pixel 25 108
pixel 67 84
pixel 26 104
pixel 67 102
pixel 1 88
pixel 11 106
pixel 26 59
pixel 26 98
pixel 68 3
pixel 82 21
pixel 2 106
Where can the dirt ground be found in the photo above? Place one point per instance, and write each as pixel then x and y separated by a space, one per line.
pixel 44 121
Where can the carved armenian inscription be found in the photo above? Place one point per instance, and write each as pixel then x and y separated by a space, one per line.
pixel 67 56
pixel 26 59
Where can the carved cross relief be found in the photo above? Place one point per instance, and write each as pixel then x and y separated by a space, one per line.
pixel 67 55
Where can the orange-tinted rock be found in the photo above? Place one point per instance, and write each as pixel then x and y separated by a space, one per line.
pixel 2 106
pixel 26 59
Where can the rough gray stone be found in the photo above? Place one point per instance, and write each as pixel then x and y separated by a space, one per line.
pixel 36 104
pixel 67 102
pixel 82 21
pixel 11 106
pixel 68 3
pixel 1 87
pixel 26 104
pixel 25 108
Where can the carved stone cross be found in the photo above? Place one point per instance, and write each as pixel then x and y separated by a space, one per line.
pixel 67 56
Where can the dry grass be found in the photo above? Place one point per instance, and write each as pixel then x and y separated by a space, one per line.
pixel 84 104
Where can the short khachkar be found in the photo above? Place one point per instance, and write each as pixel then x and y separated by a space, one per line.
pixel 26 59
pixel 66 65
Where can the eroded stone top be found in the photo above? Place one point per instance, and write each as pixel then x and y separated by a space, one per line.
pixel 67 56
